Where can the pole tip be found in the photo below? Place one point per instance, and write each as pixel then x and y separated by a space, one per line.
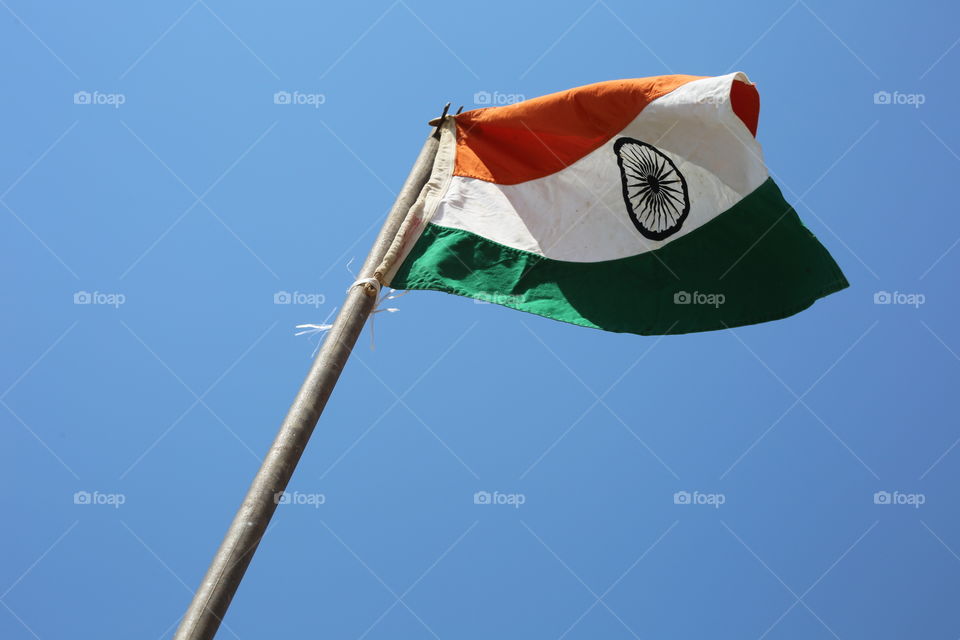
pixel 439 121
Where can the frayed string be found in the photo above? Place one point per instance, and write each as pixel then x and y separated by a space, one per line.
pixel 379 309
pixel 317 329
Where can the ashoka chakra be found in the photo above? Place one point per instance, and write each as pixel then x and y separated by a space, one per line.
pixel 654 190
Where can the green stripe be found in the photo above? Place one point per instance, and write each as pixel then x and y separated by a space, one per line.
pixel 757 255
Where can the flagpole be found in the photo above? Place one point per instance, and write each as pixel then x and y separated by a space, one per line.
pixel 210 602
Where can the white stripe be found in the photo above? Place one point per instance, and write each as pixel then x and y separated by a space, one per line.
pixel 426 204
pixel 578 214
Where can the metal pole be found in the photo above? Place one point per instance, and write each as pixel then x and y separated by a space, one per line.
pixel 212 598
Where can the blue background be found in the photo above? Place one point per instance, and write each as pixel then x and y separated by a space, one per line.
pixel 199 198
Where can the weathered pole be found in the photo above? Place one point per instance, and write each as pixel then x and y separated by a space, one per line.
pixel 210 602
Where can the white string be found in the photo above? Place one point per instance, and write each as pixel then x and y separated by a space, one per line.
pixel 316 329
pixel 379 309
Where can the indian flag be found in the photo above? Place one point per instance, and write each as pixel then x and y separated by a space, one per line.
pixel 640 206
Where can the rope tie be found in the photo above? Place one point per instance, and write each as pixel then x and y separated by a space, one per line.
pixel 375 283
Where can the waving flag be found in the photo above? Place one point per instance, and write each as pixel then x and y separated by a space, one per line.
pixel 639 206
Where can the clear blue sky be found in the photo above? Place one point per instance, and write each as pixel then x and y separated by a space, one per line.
pixel 196 200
